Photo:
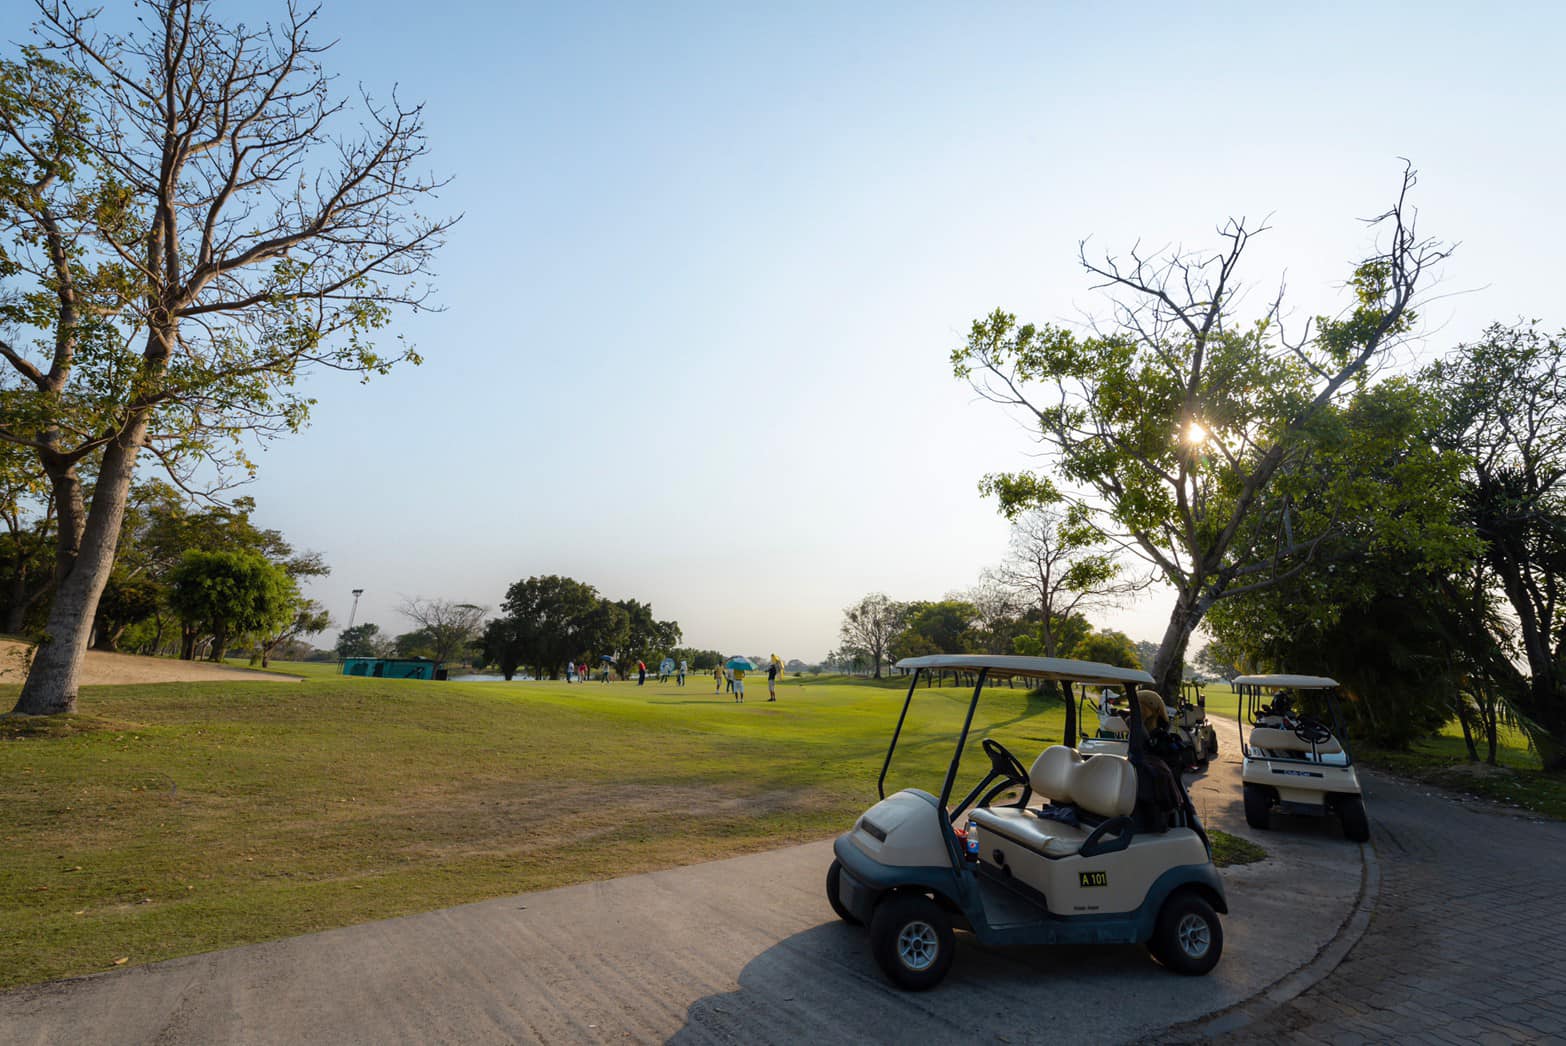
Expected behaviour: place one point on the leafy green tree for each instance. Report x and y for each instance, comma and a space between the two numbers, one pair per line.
229, 594
27, 542
193, 222
1174, 423
363, 640
944, 627
504, 646
868, 627
1506, 398
1108, 648
698, 660
646, 638
555, 620
309, 618
128, 598
415, 644
160, 526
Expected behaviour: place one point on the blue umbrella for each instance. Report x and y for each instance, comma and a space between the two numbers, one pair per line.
741, 663
606, 657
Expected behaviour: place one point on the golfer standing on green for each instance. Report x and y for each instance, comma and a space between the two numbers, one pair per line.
774, 669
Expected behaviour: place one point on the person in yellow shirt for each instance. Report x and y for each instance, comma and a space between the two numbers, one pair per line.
739, 684
717, 678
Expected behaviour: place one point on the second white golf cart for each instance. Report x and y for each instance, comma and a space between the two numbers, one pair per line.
1187, 721
1293, 761
1117, 854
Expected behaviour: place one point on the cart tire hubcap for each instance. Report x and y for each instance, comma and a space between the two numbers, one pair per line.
917, 945
1194, 936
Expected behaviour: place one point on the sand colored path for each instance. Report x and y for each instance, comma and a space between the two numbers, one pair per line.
103, 669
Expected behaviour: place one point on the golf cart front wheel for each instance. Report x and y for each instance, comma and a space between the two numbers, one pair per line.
834, 896
1351, 811
1188, 938
1258, 806
912, 941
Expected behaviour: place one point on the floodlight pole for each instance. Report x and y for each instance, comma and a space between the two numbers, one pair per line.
354, 612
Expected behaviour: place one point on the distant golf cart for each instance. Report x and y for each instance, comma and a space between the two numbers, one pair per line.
1293, 761
1117, 854
1188, 722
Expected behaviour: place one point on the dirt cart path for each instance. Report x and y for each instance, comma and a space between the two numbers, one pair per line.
737, 951
101, 669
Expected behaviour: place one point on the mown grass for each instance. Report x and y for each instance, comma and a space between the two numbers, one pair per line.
1443, 761
178, 818
171, 819
1231, 849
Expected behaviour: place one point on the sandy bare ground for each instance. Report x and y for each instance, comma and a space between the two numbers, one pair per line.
103, 669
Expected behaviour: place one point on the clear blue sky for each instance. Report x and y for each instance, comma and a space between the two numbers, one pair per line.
715, 256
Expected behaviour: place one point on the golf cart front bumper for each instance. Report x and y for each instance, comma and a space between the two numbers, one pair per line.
864, 880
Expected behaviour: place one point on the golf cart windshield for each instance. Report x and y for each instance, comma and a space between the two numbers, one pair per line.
1292, 718
964, 714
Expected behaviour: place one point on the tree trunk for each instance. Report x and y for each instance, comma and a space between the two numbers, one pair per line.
220, 644
1183, 619
1468, 734
52, 680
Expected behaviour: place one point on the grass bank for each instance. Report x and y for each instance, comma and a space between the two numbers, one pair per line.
178, 818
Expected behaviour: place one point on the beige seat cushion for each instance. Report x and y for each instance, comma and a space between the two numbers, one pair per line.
1105, 785
1050, 838
1274, 740
1052, 773
1102, 784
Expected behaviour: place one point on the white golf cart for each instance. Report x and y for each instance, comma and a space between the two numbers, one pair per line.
1191, 722
1115, 855
1293, 761
1188, 722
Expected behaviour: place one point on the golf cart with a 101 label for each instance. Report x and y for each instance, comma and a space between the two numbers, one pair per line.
1116, 854
1294, 761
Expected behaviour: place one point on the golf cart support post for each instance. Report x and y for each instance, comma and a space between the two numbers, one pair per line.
1057, 669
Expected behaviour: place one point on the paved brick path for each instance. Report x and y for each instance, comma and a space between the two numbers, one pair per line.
1465, 943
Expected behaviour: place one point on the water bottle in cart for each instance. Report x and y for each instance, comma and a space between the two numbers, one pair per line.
972, 836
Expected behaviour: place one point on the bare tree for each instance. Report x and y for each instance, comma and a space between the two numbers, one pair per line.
209, 219
1058, 567
1173, 422
451, 627
870, 624
995, 607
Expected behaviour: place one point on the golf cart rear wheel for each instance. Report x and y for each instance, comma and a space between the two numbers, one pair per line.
912, 941
834, 896
1351, 811
1188, 938
1258, 805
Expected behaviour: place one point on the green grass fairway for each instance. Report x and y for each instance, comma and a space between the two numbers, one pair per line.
178, 818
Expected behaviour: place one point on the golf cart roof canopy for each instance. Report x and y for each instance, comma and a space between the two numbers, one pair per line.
1298, 682
1062, 668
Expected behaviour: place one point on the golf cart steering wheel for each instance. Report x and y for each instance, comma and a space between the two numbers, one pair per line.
1003, 763
1312, 731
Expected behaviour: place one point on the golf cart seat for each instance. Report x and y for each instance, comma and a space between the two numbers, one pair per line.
1101, 785
1271, 739
1114, 726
